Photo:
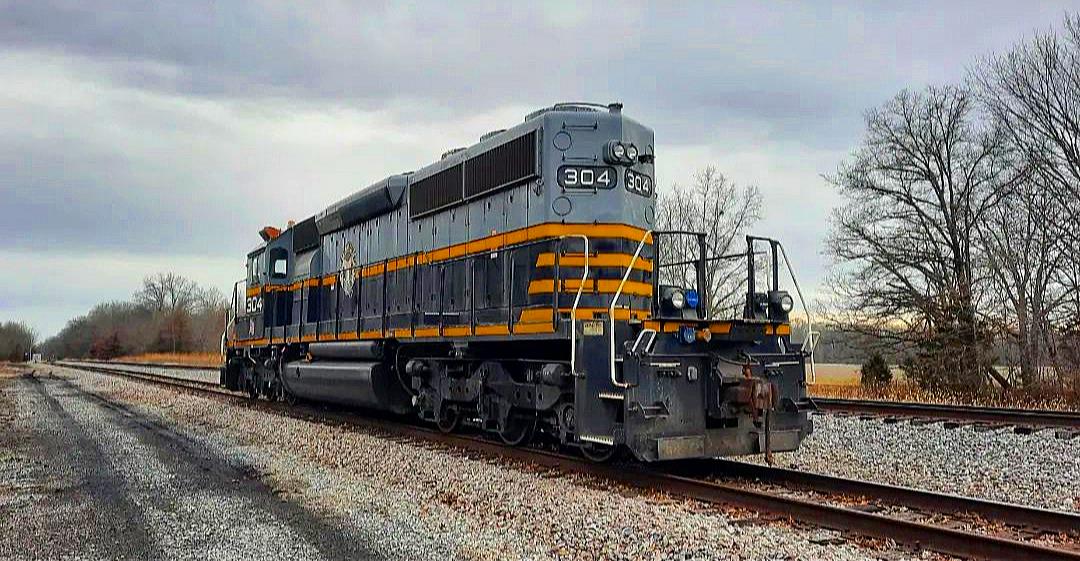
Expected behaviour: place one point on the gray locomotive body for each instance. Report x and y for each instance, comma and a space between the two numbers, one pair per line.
513, 286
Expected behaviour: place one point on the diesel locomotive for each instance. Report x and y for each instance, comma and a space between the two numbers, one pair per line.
517, 287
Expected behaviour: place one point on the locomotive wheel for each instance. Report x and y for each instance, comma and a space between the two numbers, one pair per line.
517, 431
449, 419
598, 453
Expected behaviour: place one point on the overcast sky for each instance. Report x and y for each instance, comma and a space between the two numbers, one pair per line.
139, 137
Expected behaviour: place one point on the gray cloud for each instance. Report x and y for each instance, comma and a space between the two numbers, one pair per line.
168, 133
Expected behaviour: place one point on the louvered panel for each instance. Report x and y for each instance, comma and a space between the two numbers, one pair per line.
433, 193
502, 166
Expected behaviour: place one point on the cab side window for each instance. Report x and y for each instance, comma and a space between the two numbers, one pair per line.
279, 263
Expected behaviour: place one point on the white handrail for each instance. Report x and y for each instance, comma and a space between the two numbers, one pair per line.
577, 299
810, 342
611, 309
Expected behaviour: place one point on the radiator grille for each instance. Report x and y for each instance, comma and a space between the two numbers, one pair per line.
502, 166
438, 191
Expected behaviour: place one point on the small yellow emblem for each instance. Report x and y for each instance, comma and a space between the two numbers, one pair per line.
592, 328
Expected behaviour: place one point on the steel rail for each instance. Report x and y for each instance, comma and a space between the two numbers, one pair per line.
918, 535
946, 503
1032, 417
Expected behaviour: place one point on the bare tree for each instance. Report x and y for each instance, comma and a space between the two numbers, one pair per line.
905, 237
166, 292
207, 299
17, 340
1023, 257
722, 210
1032, 92
172, 298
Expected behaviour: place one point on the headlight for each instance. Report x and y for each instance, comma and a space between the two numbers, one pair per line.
787, 303
618, 150
677, 299
631, 152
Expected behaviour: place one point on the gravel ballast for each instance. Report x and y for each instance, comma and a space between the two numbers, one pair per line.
1033, 469
386, 498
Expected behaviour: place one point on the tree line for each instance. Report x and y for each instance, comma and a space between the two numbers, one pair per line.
16, 341
957, 235
169, 313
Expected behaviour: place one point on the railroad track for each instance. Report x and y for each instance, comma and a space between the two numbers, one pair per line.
699, 480
958, 413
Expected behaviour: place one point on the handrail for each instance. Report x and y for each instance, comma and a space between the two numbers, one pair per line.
810, 341
611, 309
637, 342
577, 299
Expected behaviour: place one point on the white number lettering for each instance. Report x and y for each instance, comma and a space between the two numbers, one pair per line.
588, 176
571, 177
603, 179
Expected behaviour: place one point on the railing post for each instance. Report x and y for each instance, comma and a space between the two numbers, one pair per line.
471, 289
509, 288
611, 309
775, 265
654, 302
272, 314
703, 278
414, 306
385, 275
442, 297
557, 285
749, 311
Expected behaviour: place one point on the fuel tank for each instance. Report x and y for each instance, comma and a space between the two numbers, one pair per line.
368, 385
356, 350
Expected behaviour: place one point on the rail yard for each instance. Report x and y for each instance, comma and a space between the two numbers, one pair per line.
636, 511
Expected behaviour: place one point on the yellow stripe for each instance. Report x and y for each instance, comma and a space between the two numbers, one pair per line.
250, 342
494, 329
500, 241
620, 260
605, 286
717, 327
534, 328
532, 321
721, 327
542, 315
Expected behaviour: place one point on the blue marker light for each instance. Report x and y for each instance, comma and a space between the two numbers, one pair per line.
687, 334
692, 299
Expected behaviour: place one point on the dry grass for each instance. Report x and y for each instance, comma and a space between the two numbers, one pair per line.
902, 391
187, 359
837, 374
